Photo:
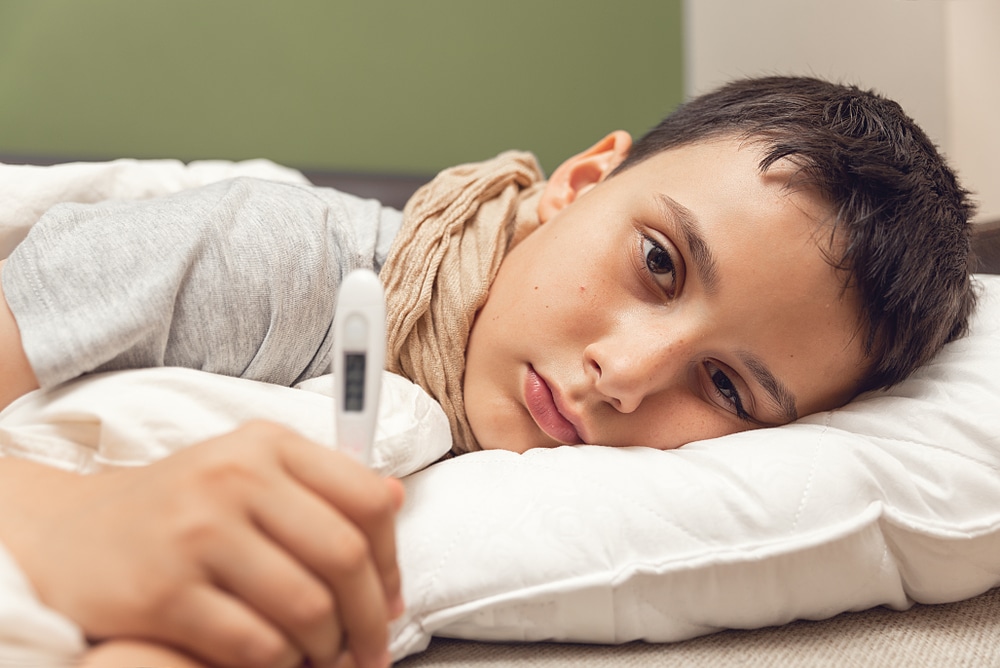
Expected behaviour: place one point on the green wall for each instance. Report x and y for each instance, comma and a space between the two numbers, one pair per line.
377, 85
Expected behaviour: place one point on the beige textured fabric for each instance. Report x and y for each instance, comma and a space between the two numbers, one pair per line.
956, 635
456, 230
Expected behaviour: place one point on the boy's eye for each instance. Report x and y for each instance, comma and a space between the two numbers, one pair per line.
660, 265
726, 390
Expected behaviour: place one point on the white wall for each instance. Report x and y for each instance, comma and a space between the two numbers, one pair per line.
972, 30
940, 59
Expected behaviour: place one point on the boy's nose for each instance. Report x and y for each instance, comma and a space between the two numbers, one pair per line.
630, 365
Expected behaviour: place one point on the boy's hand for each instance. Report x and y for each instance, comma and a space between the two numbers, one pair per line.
256, 548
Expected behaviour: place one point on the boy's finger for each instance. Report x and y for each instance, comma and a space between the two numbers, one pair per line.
390, 568
396, 491
224, 631
365, 619
364, 498
280, 587
338, 552
346, 660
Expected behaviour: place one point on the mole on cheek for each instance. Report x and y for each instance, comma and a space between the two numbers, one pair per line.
673, 344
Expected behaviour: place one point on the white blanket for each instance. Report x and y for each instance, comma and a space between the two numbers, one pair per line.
27, 191
131, 418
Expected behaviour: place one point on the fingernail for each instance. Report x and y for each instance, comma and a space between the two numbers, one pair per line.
397, 607
398, 492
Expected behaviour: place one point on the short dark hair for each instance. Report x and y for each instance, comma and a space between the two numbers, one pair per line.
900, 214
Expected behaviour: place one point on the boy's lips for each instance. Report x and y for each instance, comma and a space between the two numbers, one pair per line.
543, 406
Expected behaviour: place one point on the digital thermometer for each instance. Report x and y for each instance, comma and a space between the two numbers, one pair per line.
358, 360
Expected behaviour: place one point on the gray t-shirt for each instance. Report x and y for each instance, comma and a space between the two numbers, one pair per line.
237, 278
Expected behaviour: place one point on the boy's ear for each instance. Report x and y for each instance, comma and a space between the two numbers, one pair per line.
582, 172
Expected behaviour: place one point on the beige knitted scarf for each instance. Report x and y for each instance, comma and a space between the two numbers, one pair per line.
455, 232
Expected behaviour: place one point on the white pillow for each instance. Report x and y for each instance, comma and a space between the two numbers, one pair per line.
892, 499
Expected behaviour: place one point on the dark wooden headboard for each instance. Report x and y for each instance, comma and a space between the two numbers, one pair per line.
390, 189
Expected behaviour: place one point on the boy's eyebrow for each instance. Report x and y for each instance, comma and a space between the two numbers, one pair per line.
705, 265
701, 253
781, 395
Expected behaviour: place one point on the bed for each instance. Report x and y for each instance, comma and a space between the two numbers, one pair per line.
869, 535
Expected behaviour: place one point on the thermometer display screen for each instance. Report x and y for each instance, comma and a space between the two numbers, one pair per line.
354, 382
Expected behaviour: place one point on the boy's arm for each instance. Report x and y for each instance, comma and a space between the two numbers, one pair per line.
253, 549
15, 372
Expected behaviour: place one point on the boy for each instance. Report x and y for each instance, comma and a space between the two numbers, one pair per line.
768, 251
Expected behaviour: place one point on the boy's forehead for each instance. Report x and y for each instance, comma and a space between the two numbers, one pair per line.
732, 152
723, 176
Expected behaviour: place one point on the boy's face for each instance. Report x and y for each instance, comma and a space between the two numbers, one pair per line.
685, 298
